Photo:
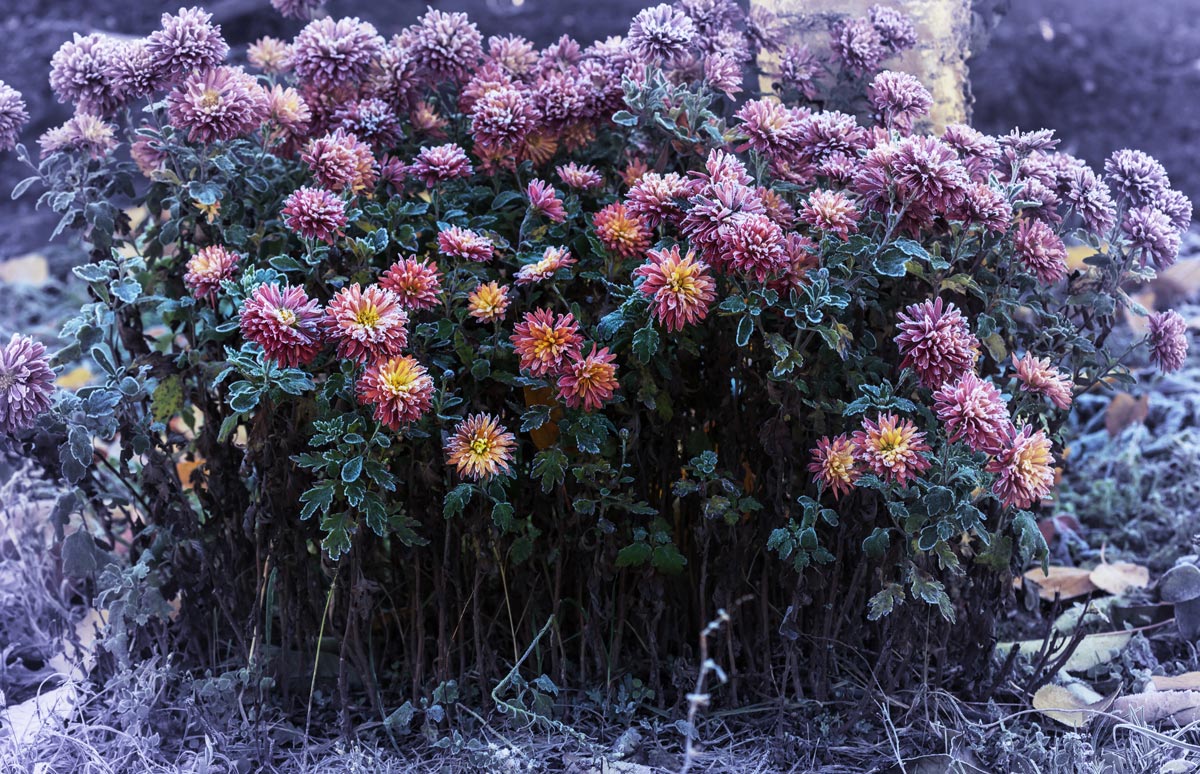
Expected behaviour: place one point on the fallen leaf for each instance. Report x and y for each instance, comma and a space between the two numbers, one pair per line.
1124, 410
1076, 255
184, 468
1098, 611
1119, 577
1072, 705
1181, 707
75, 378
29, 269
1093, 650
1052, 526
1188, 681
1064, 582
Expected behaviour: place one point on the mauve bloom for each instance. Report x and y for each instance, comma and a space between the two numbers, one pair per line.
488, 302
82, 133
367, 324
1036, 375
712, 208
339, 162
553, 259
830, 212
582, 176
13, 116
297, 9
330, 54
501, 119
480, 447
218, 104
620, 231
801, 255
1168, 340
654, 197
1019, 144
285, 322
398, 388
466, 244
315, 213
829, 133
441, 163
1177, 207
270, 55
80, 72
681, 289
858, 46
26, 383
798, 70
753, 245
186, 42
1136, 176
660, 33
892, 449
134, 72
929, 174
445, 45
286, 108
936, 342
770, 127
721, 167
900, 99
371, 120
987, 207
207, 269
1151, 231
1091, 199
543, 200
415, 282
1024, 469
833, 464
974, 412
512, 52
147, 153
543, 342
894, 28
589, 381
723, 73
1041, 250
711, 16
977, 151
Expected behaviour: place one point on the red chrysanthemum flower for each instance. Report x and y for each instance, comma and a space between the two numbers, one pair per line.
466, 244
936, 342
488, 302
589, 381
315, 213
1041, 250
830, 212
974, 412
1168, 340
681, 289
581, 176
1036, 375
399, 389
26, 383
543, 343
415, 282
754, 245
441, 163
620, 231
367, 324
834, 465
480, 448
340, 162
285, 322
543, 199
207, 269
1024, 469
553, 259
218, 104
892, 449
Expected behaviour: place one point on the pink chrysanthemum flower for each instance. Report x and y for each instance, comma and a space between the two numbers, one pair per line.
285, 322
713, 207
366, 323
892, 449
512, 52
218, 104
297, 9
269, 55
286, 108
754, 245
589, 381
974, 412
553, 259
399, 389
134, 72
544, 343
480, 448
371, 120
315, 213
415, 282
654, 197
187, 42
1024, 469
207, 269
1176, 206
544, 200
723, 73
858, 46
1151, 232
798, 70
900, 99
660, 33
581, 176
1136, 175
680, 289
1036, 375
723, 168
441, 163
987, 207
466, 244
1168, 340
936, 342
977, 151
830, 212
1091, 199
330, 55
26, 383
770, 127
13, 116
1041, 250
834, 465
447, 46
501, 120
339, 162
620, 231
929, 174
82, 133
800, 257
488, 302
81, 72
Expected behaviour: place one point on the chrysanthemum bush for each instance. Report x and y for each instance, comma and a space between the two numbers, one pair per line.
420, 342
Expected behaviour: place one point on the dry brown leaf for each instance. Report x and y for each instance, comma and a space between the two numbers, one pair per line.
1124, 410
75, 378
1065, 582
1093, 650
1072, 705
29, 269
1119, 577
1188, 681
1076, 255
1181, 707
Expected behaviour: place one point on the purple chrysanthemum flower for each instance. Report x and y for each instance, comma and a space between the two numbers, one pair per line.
1177, 207
929, 174
830, 212
974, 412
13, 116
900, 99
187, 41
987, 207
1091, 199
440, 163
445, 45
26, 383
297, 9
1020, 144
371, 120
858, 46
315, 213
829, 133
764, 30
544, 199
1041, 250
1136, 176
724, 74
219, 104
722, 167
660, 33
82, 133
134, 71
1024, 469
330, 55
270, 55
367, 324
770, 127
1150, 230
936, 342
512, 52
798, 70
711, 16
80, 72
1168, 340
711, 208
501, 119
894, 28
977, 151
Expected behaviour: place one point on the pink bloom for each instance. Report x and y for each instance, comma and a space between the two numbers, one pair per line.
1024, 469
1151, 231
830, 212
466, 244
936, 342
446, 46
754, 244
399, 389
488, 302
653, 197
834, 465
441, 163
660, 33
544, 343
620, 231
480, 447
218, 104
892, 449
583, 177
680, 289
1041, 250
187, 42
770, 127
900, 99
26, 383
544, 200
1168, 341
973, 411
553, 259
315, 213
285, 322
340, 162
13, 116
589, 381
207, 269
415, 282
332, 54
367, 324
1036, 375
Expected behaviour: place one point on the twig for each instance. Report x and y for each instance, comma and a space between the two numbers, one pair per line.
698, 698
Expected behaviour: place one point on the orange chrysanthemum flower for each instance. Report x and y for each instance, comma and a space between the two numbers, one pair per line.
415, 282
620, 231
366, 323
488, 302
480, 447
399, 388
1024, 469
544, 343
681, 289
834, 465
892, 448
589, 381
553, 259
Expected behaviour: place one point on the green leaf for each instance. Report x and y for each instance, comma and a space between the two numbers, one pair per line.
668, 559
744, 329
645, 344
877, 543
534, 417
502, 516
885, 601
317, 499
939, 501
550, 466
634, 555
352, 469
1031, 543
892, 262
456, 500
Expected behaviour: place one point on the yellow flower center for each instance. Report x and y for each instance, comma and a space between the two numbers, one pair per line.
480, 446
892, 446
286, 316
210, 99
367, 317
398, 378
